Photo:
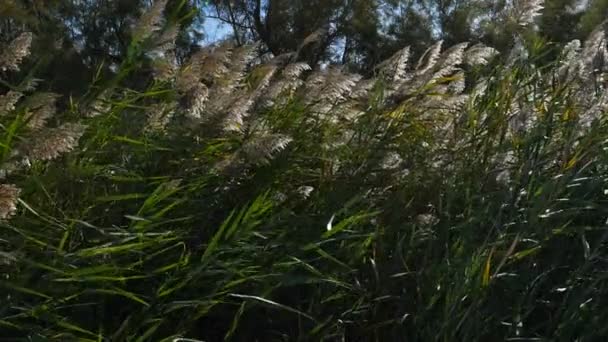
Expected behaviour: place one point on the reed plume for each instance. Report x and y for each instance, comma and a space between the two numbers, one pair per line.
17, 50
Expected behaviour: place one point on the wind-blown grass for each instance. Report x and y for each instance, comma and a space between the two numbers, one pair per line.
417, 207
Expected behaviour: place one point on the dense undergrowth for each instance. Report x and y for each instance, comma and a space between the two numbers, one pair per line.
246, 197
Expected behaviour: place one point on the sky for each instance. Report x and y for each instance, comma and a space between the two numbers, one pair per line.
215, 30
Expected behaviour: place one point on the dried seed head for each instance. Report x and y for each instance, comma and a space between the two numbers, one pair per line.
150, 21
15, 52
305, 191
571, 51
450, 60
363, 87
457, 85
295, 70
240, 109
285, 85
216, 63
429, 58
523, 12
30, 84
41, 107
101, 105
166, 41
187, 79
197, 101
570, 64
8, 101
9, 194
518, 52
427, 220
391, 161
243, 57
479, 54
159, 117
394, 69
595, 51
261, 149
53, 142
326, 88
164, 69
37, 119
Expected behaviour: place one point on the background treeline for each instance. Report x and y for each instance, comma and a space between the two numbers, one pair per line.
76, 37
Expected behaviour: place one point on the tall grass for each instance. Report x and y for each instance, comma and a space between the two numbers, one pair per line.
428, 208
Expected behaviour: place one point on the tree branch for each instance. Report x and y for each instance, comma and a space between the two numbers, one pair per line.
233, 21
263, 29
228, 21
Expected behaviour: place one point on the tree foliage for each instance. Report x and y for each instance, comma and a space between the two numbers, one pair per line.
241, 191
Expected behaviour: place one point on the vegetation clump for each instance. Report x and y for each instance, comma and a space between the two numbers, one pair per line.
241, 195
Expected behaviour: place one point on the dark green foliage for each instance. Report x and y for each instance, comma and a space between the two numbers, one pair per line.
305, 225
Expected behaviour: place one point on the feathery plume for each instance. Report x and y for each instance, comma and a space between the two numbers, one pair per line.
594, 54
350, 110
570, 62
305, 191
391, 161
295, 70
458, 83
243, 57
479, 54
523, 12
8, 101
7, 259
313, 37
571, 51
598, 106
150, 21
260, 150
241, 107
216, 63
101, 105
41, 107
210, 65
518, 52
237, 113
394, 69
279, 197
228, 165
241, 60
166, 41
426, 220
18, 49
164, 68
53, 142
521, 117
326, 88
479, 90
363, 87
429, 58
187, 78
455, 103
505, 162
30, 84
9, 194
449, 61
197, 100
220, 100
159, 116
286, 85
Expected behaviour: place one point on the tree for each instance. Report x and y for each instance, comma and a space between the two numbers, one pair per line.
74, 40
